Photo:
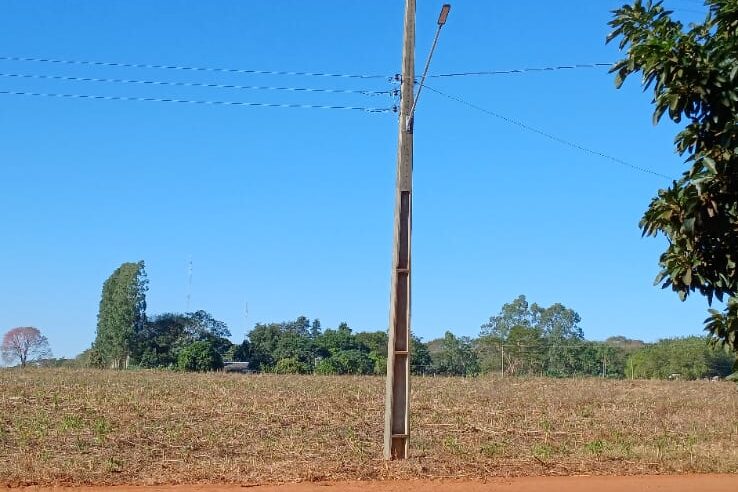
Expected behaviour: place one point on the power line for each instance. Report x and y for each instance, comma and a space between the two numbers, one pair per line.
544, 345
191, 101
524, 70
189, 68
550, 136
296, 73
193, 84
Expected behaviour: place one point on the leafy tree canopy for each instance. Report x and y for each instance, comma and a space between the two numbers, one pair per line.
686, 358
512, 314
421, 361
200, 356
536, 339
122, 314
456, 356
165, 335
693, 71
291, 365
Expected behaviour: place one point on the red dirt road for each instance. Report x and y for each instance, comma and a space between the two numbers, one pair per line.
651, 483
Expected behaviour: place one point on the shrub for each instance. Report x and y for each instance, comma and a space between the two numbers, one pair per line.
290, 365
326, 367
199, 357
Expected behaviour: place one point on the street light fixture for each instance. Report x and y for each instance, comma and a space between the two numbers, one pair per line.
444, 13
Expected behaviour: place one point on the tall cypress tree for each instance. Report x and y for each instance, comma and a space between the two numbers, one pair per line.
122, 314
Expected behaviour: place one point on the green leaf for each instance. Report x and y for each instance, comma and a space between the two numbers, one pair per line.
691, 72
660, 110
709, 164
659, 277
619, 79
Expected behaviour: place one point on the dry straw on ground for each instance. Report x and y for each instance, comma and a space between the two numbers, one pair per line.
104, 427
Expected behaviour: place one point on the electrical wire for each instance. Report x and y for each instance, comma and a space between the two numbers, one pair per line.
192, 84
189, 68
523, 70
191, 101
550, 136
544, 345
281, 72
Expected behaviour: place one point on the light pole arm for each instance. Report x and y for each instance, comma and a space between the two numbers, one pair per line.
441, 21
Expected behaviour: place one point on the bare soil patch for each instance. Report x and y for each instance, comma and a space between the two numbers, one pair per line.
73, 427
653, 483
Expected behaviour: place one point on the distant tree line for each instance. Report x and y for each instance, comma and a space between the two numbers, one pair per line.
523, 339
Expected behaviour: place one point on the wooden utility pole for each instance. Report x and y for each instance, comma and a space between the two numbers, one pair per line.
397, 402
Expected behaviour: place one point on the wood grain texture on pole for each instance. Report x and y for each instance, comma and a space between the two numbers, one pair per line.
397, 400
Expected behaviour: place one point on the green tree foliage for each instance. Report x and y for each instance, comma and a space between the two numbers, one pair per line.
315, 329
302, 346
122, 314
298, 339
525, 351
269, 343
421, 361
161, 340
563, 337
345, 353
352, 361
239, 352
494, 334
293, 345
340, 339
375, 342
628, 345
301, 326
694, 75
379, 363
91, 358
723, 326
263, 339
537, 341
159, 344
612, 357
326, 367
513, 314
533, 340
455, 357
689, 358
291, 365
199, 356
201, 326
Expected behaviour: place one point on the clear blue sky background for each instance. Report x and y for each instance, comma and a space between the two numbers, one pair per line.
290, 210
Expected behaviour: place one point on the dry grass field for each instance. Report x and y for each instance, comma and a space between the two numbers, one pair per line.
67, 427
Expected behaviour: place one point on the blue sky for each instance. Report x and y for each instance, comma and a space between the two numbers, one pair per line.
290, 210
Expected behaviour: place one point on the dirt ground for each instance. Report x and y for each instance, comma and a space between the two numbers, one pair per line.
650, 483
104, 428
